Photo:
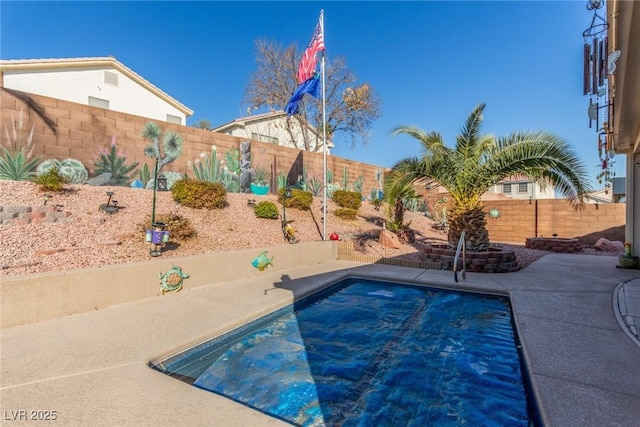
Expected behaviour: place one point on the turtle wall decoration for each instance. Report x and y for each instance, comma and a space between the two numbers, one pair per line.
172, 280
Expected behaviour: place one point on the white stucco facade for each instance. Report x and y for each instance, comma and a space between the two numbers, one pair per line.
270, 128
523, 189
101, 82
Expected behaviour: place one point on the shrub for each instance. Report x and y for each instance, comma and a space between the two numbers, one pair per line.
179, 227
347, 199
51, 180
346, 213
266, 209
299, 199
199, 194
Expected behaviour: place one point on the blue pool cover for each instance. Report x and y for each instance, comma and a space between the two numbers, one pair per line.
370, 353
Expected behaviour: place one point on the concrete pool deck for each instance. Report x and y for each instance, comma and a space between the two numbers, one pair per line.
575, 315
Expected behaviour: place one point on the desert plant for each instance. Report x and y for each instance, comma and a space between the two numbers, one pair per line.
299, 199
16, 159
73, 169
199, 194
358, 183
345, 178
329, 176
347, 199
346, 213
208, 168
51, 180
233, 161
179, 227
260, 175
282, 181
266, 209
315, 186
144, 174
113, 161
171, 145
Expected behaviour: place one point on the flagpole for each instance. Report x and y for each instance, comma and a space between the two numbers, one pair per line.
324, 141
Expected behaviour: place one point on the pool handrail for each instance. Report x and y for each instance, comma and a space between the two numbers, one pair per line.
462, 247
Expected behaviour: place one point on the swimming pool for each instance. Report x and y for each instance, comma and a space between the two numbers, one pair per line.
366, 352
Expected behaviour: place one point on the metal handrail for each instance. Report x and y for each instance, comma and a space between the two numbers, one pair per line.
462, 247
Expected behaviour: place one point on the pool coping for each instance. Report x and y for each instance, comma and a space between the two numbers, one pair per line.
92, 367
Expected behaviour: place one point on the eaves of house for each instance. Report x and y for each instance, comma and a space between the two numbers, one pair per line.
21, 65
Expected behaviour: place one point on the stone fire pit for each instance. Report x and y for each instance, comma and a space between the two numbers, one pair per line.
494, 260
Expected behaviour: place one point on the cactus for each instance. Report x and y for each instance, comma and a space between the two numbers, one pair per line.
233, 161
72, 169
345, 179
357, 184
282, 180
329, 176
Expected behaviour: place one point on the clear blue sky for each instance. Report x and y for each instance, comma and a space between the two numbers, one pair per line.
430, 62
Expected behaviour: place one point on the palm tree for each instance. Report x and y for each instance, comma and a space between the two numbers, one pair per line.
480, 161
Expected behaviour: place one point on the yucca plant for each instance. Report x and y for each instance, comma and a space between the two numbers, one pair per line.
16, 160
171, 145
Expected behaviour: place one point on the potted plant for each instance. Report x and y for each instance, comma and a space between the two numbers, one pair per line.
260, 183
627, 260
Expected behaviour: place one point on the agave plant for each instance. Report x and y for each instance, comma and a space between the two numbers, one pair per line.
16, 160
479, 161
113, 161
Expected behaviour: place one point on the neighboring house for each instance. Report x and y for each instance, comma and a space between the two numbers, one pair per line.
272, 128
520, 187
100, 82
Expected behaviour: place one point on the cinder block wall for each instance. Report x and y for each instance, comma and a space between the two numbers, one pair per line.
65, 129
520, 219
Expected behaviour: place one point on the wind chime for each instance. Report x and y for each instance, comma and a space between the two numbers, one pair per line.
598, 64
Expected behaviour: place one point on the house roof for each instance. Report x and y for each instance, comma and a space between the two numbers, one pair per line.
247, 120
244, 121
601, 196
90, 62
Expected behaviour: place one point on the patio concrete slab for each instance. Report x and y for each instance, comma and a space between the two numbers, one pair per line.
93, 368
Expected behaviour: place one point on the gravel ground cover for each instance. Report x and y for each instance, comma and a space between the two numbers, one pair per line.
94, 238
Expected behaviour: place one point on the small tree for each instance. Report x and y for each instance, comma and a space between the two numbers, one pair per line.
171, 145
351, 109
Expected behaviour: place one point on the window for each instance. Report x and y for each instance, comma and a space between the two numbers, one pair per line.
506, 188
523, 187
174, 119
264, 138
111, 78
98, 102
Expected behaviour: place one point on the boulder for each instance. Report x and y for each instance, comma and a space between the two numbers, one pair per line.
607, 245
102, 179
389, 239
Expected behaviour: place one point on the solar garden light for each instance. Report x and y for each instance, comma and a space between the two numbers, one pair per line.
111, 206
47, 197
157, 236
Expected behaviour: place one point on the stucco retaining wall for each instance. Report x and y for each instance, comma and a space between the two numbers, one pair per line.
39, 297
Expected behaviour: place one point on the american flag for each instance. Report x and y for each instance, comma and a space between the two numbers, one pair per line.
308, 61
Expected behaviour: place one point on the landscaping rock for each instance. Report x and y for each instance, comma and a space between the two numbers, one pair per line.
389, 239
102, 179
607, 245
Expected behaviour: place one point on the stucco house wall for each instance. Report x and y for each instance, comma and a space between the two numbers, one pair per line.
104, 79
270, 128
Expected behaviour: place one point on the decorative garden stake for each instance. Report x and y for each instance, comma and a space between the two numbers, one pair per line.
157, 236
172, 280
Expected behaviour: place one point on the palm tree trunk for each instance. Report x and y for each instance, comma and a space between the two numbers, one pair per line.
475, 223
